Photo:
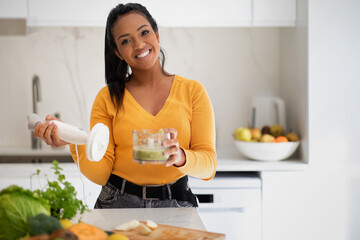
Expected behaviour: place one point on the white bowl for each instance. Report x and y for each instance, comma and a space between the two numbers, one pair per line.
266, 151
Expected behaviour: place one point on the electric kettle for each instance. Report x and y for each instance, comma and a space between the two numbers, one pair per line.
268, 111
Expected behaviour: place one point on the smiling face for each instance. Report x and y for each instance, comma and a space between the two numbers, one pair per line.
137, 43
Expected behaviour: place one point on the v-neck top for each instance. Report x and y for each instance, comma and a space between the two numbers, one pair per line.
128, 95
188, 109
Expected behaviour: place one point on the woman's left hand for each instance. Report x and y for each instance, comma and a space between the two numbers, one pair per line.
176, 155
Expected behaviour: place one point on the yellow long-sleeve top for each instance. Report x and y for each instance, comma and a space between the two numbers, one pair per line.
188, 109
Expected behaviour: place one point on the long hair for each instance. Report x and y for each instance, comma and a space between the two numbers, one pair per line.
116, 70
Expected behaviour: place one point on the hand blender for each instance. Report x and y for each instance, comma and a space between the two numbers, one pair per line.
96, 142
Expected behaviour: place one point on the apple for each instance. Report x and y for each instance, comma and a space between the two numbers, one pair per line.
293, 137
242, 134
255, 134
267, 138
276, 130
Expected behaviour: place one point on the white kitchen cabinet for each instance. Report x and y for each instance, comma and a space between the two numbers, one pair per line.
201, 13
13, 178
23, 176
187, 13
86, 190
68, 12
168, 13
234, 198
280, 196
14, 174
274, 12
13, 9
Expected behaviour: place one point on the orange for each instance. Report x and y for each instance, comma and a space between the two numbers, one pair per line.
280, 139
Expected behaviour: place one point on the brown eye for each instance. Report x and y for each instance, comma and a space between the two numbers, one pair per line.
145, 32
126, 41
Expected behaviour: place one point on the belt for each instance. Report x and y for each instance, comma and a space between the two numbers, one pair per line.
151, 192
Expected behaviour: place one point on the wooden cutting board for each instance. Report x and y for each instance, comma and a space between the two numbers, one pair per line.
166, 232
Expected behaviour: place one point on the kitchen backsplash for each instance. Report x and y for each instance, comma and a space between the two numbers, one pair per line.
234, 64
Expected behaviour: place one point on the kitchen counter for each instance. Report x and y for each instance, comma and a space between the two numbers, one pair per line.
108, 219
229, 160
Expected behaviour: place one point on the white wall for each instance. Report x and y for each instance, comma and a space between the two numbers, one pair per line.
294, 76
233, 63
68, 62
334, 83
322, 202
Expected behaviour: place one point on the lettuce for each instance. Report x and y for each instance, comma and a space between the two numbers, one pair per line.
16, 205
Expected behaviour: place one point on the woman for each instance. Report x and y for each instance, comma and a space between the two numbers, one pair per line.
140, 94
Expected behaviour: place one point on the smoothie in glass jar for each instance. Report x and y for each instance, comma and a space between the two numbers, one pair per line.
148, 146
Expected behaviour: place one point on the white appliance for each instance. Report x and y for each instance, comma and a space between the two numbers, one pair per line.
96, 142
230, 203
268, 111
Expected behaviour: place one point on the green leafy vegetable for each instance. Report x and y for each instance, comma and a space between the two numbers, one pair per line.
16, 205
61, 195
43, 224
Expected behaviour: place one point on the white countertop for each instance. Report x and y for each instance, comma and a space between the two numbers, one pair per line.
228, 160
108, 219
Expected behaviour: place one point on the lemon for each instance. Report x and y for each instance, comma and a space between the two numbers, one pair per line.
117, 236
65, 223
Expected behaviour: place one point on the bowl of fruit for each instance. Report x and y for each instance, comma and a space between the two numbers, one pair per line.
267, 144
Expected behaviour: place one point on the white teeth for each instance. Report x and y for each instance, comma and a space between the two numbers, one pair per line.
143, 54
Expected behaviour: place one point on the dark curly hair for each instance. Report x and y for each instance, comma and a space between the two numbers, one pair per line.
116, 70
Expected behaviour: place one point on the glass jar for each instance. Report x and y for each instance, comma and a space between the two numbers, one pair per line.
148, 146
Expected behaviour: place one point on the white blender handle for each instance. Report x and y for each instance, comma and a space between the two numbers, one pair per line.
280, 108
96, 142
71, 134
33, 120
67, 132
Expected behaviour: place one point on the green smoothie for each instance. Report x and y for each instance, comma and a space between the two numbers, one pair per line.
149, 154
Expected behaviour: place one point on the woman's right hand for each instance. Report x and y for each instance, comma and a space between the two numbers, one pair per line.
48, 132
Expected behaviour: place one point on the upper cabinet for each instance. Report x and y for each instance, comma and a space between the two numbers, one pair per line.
69, 13
274, 12
201, 13
13, 14
13, 9
168, 13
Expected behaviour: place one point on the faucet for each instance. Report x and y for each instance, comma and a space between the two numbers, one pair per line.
35, 142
